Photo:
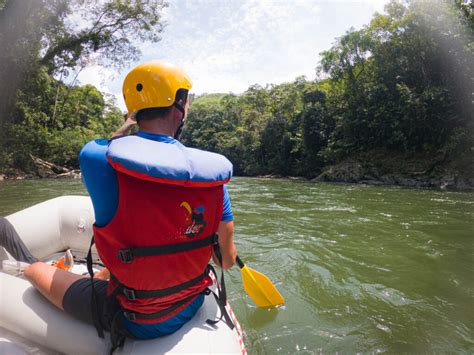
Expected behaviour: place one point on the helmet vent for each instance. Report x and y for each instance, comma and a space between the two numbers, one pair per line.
139, 87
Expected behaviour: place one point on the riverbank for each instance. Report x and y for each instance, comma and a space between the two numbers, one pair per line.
401, 170
42, 169
344, 173
397, 170
373, 169
15, 174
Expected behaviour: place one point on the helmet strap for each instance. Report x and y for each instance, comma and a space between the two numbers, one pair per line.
180, 108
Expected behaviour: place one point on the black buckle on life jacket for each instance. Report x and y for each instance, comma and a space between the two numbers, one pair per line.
125, 255
215, 239
129, 293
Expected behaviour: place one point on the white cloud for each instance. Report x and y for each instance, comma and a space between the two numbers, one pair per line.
239, 43
226, 46
101, 77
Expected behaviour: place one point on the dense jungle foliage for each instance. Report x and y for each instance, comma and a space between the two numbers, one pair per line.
402, 85
48, 42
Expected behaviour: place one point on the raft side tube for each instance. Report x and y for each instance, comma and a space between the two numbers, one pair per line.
55, 225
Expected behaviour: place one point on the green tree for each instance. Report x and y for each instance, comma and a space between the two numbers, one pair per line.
276, 146
316, 128
45, 41
36, 33
400, 85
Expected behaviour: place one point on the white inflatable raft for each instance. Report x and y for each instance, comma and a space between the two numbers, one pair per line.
29, 324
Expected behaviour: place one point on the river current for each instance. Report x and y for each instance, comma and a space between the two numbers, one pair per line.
362, 268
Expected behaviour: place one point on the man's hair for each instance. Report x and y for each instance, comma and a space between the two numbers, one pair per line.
151, 113
159, 112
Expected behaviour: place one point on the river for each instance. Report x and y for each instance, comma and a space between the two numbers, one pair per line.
363, 268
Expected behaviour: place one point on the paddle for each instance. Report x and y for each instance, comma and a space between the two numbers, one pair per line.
259, 287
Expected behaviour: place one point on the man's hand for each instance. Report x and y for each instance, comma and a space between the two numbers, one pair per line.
130, 120
103, 274
126, 127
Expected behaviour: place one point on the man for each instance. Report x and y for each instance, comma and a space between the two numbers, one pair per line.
157, 206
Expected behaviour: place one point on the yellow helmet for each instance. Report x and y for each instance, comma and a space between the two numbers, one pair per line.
153, 84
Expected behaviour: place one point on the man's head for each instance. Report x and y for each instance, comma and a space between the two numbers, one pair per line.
156, 93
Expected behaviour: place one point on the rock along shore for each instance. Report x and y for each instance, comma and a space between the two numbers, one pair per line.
398, 171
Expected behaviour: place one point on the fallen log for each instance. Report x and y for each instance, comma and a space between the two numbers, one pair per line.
75, 174
47, 169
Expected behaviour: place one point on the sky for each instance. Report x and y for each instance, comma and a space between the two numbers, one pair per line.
228, 45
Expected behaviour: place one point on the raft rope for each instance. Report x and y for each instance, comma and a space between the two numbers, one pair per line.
238, 327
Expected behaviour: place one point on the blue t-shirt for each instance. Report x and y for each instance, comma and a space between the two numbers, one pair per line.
100, 179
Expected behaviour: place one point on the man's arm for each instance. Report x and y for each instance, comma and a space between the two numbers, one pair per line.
226, 234
226, 243
126, 127
100, 180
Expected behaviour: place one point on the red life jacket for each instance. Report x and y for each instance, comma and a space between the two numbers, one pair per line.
158, 245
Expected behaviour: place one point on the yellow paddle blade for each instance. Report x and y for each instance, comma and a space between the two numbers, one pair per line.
260, 289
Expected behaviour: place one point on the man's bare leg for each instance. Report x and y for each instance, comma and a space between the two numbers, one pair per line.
51, 281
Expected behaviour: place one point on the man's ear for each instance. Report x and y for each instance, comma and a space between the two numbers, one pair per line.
181, 102
176, 114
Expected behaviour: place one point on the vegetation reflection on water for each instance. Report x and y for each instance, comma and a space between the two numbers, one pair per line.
363, 269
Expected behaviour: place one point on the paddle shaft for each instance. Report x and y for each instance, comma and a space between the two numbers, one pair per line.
239, 262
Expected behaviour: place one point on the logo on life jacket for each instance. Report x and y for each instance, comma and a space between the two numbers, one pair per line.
196, 220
